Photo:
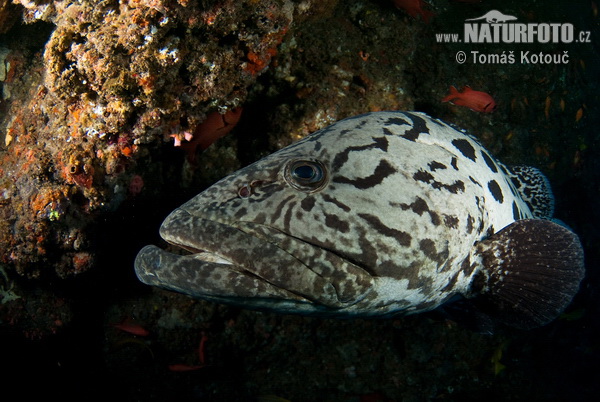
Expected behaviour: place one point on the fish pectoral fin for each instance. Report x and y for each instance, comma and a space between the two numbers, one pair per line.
530, 272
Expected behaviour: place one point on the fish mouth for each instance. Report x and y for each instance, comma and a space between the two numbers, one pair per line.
233, 265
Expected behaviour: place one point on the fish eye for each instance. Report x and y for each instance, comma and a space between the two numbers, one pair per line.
305, 175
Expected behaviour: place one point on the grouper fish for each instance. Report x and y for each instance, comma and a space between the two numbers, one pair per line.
379, 214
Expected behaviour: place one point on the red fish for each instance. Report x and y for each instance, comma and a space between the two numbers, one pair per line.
181, 368
414, 8
475, 100
135, 329
214, 127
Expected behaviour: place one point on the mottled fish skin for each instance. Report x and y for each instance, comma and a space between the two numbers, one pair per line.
377, 214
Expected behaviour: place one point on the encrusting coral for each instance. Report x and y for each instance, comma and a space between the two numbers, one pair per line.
115, 78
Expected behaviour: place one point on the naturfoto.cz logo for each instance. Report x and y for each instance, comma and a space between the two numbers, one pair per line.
496, 27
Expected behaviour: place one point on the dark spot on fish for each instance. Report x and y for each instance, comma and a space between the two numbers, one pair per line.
488, 161
367, 259
457, 186
335, 202
466, 267
451, 221
342, 157
395, 121
465, 148
383, 170
427, 177
415, 281
474, 181
470, 222
435, 218
401, 237
447, 265
277, 212
234, 203
516, 182
418, 206
287, 218
423, 176
428, 248
516, 212
480, 228
334, 222
453, 163
419, 127
241, 212
362, 117
261, 218
434, 165
307, 203
389, 269
381, 143
496, 191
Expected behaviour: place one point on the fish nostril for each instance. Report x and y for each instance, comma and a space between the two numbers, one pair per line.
245, 191
248, 189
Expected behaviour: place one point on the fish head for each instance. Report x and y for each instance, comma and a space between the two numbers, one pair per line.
279, 234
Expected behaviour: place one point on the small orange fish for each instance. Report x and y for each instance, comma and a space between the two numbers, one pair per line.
414, 8
475, 100
135, 329
548, 103
202, 348
182, 368
214, 127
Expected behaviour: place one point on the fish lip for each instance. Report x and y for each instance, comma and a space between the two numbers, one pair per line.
200, 278
252, 267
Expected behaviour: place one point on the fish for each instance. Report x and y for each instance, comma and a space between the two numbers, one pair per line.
215, 126
477, 101
377, 215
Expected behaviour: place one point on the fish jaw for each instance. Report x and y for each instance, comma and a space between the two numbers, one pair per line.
231, 266
184, 273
